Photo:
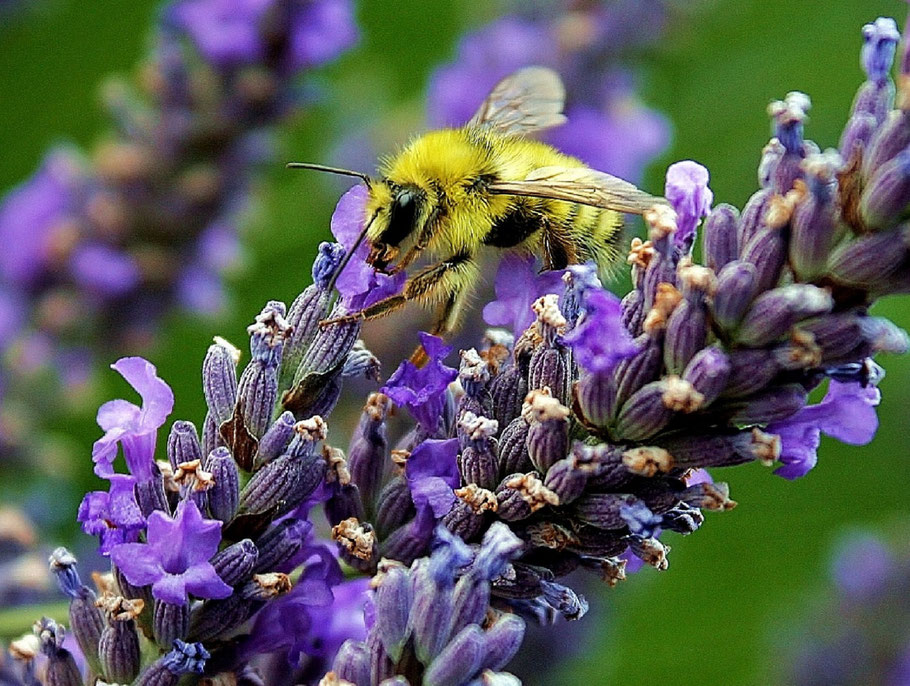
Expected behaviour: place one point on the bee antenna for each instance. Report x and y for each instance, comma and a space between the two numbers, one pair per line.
330, 170
350, 253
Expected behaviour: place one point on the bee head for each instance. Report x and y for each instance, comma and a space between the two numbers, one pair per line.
400, 211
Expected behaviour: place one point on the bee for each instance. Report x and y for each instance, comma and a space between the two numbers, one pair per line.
455, 193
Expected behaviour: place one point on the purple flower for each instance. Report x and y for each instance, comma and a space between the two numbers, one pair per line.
862, 565
320, 31
517, 286
484, 57
423, 390
102, 269
175, 558
114, 516
688, 192
135, 428
847, 413
30, 214
600, 340
619, 137
226, 32
359, 284
432, 474
307, 621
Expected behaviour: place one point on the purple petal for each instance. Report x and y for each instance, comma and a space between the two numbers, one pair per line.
202, 581
157, 396
517, 286
601, 340
688, 192
139, 565
102, 269
226, 32
347, 223
170, 588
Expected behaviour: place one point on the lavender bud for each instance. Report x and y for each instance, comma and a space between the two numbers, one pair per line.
394, 507
752, 221
884, 336
549, 369
857, 135
507, 391
709, 496
431, 614
279, 544
720, 236
356, 543
474, 375
352, 663
603, 510
767, 252
369, 448
224, 496
876, 95
886, 197
567, 479
520, 495
61, 669
513, 447
789, 115
393, 602
870, 261
891, 138
406, 543
595, 399
834, 334
736, 287
633, 312
170, 622
211, 435
459, 660
219, 380
275, 440
466, 518
634, 372
216, 618
504, 637
708, 372
722, 450
767, 406
686, 334
288, 480
185, 658
304, 315
118, 647
344, 503
548, 435
150, 493
773, 313
652, 407
651, 551
183, 444
564, 600
750, 371
86, 620
330, 346
235, 564
814, 225
478, 461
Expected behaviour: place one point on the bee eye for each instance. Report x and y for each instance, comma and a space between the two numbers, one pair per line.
402, 217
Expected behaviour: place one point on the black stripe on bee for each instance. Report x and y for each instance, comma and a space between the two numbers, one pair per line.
513, 228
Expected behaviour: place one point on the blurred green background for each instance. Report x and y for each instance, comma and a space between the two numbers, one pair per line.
719, 614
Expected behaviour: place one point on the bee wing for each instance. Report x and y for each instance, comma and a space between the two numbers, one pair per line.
528, 100
583, 186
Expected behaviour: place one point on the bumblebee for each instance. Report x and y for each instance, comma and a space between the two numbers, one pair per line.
454, 193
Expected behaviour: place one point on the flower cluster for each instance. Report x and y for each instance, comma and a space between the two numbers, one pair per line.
576, 441
98, 247
608, 127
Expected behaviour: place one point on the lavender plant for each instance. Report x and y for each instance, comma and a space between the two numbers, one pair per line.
99, 246
571, 442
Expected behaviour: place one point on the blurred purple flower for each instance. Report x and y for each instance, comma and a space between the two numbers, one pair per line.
423, 390
226, 32
847, 413
687, 190
322, 30
600, 340
133, 427
518, 285
862, 565
103, 269
484, 57
30, 213
175, 558
620, 137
